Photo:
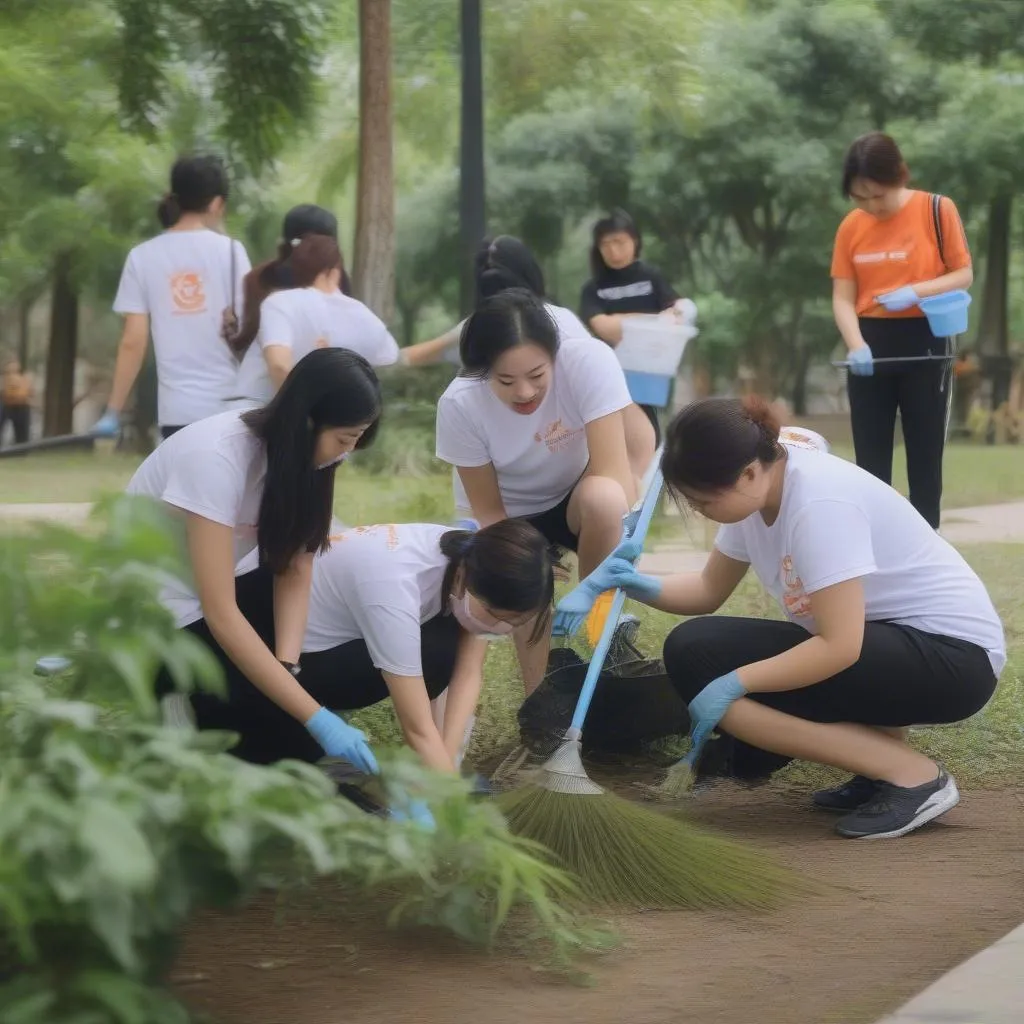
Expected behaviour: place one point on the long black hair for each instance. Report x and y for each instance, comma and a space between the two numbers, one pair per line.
616, 221
506, 262
506, 565
195, 182
515, 316
329, 387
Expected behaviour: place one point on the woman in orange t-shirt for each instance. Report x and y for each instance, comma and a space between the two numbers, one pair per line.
888, 256
15, 401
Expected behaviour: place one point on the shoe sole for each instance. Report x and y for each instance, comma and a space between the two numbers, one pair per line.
950, 797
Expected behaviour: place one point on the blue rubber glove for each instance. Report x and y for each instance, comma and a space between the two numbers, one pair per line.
415, 811
861, 362
622, 574
339, 739
708, 708
899, 300
108, 425
573, 609
467, 524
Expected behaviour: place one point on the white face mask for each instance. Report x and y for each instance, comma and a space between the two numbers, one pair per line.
471, 624
333, 462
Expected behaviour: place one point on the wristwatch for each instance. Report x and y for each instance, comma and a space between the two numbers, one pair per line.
292, 667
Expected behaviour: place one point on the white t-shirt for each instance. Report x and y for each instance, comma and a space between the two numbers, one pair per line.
181, 279
378, 584
216, 469
303, 318
838, 522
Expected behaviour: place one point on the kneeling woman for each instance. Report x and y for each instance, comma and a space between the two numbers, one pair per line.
534, 426
399, 610
264, 480
888, 626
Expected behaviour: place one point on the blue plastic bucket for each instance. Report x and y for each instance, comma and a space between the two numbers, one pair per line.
947, 313
649, 388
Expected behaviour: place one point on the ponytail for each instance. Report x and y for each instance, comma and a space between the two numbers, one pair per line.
168, 210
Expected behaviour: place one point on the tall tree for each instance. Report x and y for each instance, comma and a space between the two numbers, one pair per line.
374, 258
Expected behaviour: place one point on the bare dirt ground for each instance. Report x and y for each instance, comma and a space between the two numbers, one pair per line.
902, 913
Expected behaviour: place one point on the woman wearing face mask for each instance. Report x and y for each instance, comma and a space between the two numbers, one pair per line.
264, 480
622, 285
899, 246
311, 313
401, 611
887, 626
182, 286
534, 427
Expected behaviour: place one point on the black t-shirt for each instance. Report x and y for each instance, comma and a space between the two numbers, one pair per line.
638, 288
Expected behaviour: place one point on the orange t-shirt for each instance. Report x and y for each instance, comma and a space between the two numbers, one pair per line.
883, 255
15, 389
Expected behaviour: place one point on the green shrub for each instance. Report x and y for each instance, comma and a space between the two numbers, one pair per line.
115, 829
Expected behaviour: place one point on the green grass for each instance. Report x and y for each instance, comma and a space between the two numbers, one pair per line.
974, 475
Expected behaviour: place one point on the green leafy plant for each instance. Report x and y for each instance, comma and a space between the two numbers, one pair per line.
116, 829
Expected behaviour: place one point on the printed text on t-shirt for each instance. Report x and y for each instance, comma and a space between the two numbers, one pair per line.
794, 598
556, 437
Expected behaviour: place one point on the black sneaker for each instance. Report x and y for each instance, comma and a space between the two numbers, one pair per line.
897, 810
847, 797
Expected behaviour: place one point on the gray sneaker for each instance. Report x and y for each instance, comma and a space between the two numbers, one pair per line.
896, 810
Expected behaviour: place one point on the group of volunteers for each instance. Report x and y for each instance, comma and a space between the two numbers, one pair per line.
886, 626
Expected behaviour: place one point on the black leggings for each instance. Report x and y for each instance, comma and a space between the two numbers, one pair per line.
919, 391
903, 677
342, 678
19, 417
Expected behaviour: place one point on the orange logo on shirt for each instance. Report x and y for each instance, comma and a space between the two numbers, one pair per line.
392, 534
555, 436
794, 598
187, 292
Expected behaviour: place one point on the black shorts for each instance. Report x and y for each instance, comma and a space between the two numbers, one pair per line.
903, 677
554, 526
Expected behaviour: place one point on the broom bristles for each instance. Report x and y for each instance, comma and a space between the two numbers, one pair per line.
627, 855
677, 783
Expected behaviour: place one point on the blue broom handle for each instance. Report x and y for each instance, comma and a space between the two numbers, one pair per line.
650, 505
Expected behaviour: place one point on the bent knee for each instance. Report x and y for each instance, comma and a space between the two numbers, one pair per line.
600, 496
693, 654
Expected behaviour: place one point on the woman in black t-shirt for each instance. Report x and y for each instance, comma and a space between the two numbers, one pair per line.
622, 284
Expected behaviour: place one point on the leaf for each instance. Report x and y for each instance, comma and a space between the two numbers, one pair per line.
120, 850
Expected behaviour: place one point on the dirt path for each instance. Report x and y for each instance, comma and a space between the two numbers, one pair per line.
909, 910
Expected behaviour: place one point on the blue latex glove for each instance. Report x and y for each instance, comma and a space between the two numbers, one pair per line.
467, 524
861, 362
108, 425
614, 572
339, 739
415, 811
708, 708
899, 300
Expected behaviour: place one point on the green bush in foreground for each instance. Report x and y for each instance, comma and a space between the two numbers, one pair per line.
115, 830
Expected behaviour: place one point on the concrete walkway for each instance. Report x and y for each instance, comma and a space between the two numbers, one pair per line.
987, 989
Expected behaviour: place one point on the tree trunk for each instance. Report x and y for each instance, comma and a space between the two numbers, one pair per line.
798, 395
25, 304
993, 333
472, 207
63, 350
373, 274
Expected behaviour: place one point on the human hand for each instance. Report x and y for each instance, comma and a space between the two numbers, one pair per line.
708, 708
900, 299
861, 362
108, 425
339, 739
415, 811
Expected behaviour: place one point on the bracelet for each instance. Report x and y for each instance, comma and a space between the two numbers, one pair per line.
293, 668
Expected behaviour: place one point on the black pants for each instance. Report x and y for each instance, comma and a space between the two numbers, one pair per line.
18, 416
903, 677
343, 678
921, 393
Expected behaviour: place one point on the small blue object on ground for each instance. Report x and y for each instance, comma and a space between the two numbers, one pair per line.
947, 313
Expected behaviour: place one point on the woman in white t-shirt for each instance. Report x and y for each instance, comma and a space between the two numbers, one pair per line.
886, 624
534, 427
264, 480
401, 611
313, 313
183, 286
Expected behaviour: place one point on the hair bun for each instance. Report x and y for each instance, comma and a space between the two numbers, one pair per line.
760, 412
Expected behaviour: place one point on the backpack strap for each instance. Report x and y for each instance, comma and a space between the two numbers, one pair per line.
937, 221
